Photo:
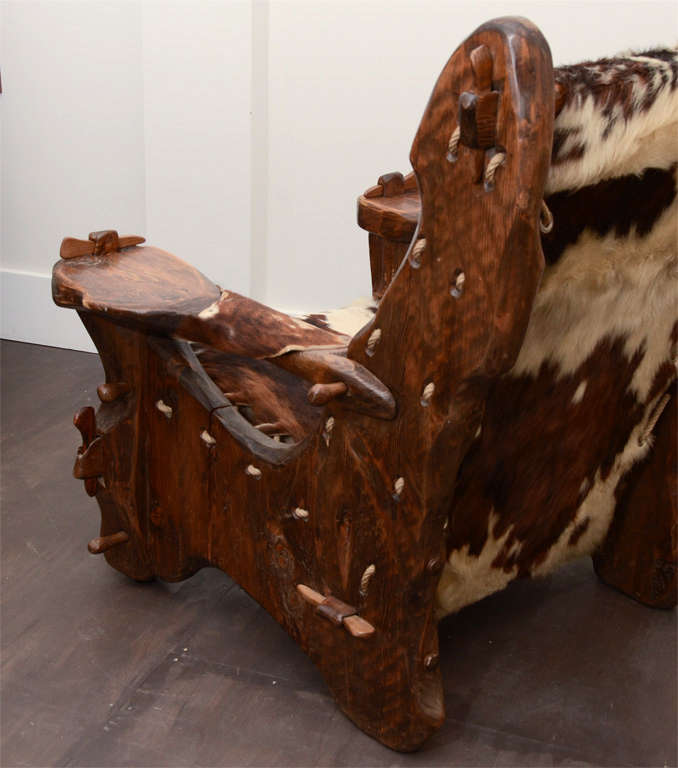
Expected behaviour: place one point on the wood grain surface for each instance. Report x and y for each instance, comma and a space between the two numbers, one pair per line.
193, 483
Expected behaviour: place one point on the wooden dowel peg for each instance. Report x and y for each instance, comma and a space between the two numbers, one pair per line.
338, 612
90, 461
71, 248
112, 391
85, 422
103, 543
358, 627
310, 595
107, 241
320, 394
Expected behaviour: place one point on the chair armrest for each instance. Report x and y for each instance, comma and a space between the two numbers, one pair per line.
154, 291
389, 211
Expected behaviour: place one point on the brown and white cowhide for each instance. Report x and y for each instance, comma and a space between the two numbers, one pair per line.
599, 358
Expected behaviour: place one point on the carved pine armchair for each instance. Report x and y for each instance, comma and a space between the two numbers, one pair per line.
506, 402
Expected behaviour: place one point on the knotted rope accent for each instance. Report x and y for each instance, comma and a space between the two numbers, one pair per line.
373, 340
417, 250
365, 579
207, 438
453, 144
491, 169
427, 394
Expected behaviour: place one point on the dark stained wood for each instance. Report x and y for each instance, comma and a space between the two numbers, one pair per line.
113, 391
89, 462
458, 345
154, 291
261, 392
368, 488
364, 391
105, 241
71, 247
85, 422
393, 225
392, 184
396, 218
321, 394
478, 110
389, 211
640, 553
138, 284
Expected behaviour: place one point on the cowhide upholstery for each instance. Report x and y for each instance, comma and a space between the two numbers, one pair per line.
599, 358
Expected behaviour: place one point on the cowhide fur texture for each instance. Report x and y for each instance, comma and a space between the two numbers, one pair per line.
599, 358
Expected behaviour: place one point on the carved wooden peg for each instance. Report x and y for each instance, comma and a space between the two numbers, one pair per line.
478, 110
112, 391
392, 183
310, 595
89, 463
85, 421
106, 241
321, 394
336, 611
358, 627
468, 103
478, 119
71, 248
102, 544
481, 63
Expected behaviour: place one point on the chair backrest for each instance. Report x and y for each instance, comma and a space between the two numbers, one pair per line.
456, 311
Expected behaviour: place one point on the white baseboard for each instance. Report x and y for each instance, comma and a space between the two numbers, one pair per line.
28, 313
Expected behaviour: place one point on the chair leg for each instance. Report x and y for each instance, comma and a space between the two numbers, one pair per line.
389, 685
640, 553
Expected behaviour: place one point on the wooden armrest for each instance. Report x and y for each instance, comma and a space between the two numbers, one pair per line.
154, 291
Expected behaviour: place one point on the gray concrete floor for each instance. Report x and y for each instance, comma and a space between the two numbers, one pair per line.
100, 671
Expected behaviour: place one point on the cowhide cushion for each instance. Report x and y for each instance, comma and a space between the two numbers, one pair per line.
599, 357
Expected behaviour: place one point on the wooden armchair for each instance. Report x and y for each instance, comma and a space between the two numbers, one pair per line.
322, 471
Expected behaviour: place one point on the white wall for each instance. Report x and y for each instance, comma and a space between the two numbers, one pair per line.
235, 134
122, 115
72, 151
196, 74
348, 83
